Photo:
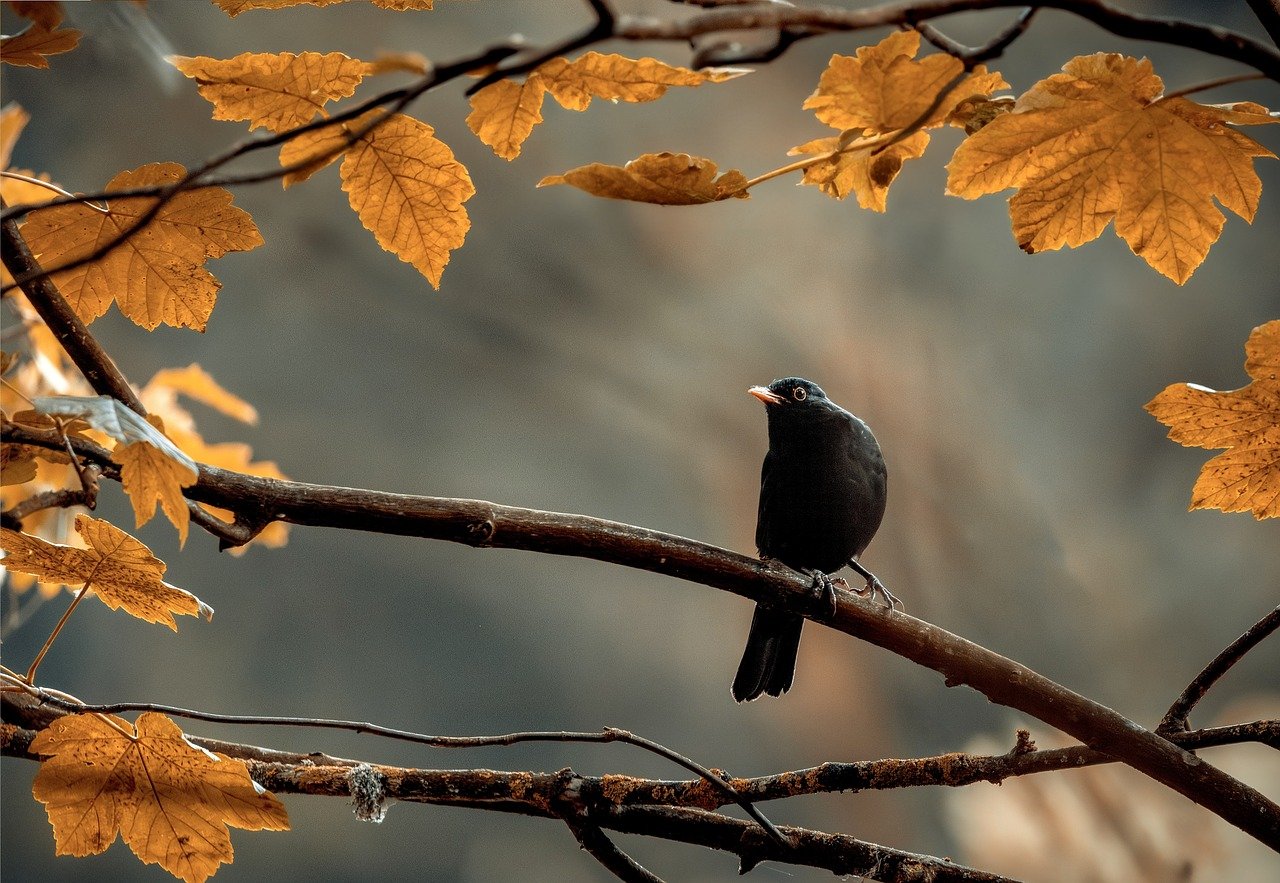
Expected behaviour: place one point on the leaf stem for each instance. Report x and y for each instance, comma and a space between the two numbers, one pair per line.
31, 672
815, 160
48, 185
1213, 84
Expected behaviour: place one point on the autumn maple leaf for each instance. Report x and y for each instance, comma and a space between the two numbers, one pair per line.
873, 97
170, 800
32, 47
1245, 421
122, 571
1097, 143
158, 274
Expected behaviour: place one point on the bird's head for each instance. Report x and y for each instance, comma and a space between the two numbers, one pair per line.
790, 393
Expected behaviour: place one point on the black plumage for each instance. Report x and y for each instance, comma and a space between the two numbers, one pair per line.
823, 491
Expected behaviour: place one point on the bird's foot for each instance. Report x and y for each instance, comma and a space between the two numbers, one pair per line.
875, 587
824, 594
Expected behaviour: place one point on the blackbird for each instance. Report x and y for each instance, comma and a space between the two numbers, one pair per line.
822, 495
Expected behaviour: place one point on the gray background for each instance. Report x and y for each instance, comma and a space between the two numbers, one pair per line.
591, 356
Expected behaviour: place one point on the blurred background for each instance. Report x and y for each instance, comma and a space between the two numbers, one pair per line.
592, 356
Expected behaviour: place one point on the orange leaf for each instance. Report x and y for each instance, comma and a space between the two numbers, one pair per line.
29, 48
148, 477
17, 464
46, 13
157, 276
13, 119
123, 572
874, 97
618, 78
858, 171
659, 178
883, 88
408, 190
235, 7
171, 801
1246, 421
281, 91
504, 113
1097, 143
197, 383
324, 145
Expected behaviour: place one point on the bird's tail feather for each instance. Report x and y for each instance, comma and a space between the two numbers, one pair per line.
769, 662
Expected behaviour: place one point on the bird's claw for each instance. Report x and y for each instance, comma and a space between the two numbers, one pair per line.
875, 587
824, 594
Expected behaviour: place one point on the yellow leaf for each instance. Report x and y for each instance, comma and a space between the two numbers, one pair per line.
158, 275
659, 178
123, 572
504, 113
148, 477
235, 7
12, 121
858, 171
405, 62
323, 145
883, 88
171, 801
618, 78
17, 464
281, 91
197, 383
46, 13
408, 190
974, 112
237, 457
29, 48
1246, 421
1096, 143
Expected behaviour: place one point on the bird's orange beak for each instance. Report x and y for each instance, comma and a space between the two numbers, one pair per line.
764, 395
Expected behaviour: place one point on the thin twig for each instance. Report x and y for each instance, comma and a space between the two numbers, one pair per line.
607, 853
49, 185
1213, 84
53, 499
1175, 719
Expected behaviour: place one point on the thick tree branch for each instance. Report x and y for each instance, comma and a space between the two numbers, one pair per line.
1176, 718
1268, 12
74, 336
490, 525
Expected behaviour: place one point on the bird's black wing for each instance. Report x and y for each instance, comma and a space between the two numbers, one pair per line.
762, 513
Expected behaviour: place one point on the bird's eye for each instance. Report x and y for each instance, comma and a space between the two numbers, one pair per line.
799, 394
